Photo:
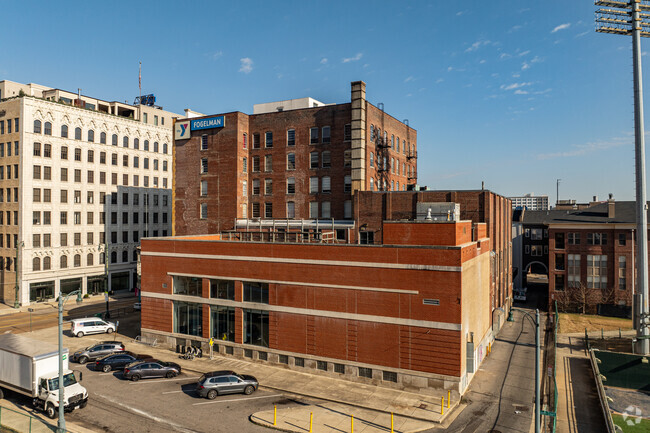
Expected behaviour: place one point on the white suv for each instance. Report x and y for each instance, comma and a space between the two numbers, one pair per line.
91, 325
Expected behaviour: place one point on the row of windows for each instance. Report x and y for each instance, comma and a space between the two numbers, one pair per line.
596, 272
387, 186
90, 137
46, 263
45, 239
90, 197
15, 147
406, 148
400, 168
16, 126
46, 174
45, 218
317, 135
9, 172
47, 153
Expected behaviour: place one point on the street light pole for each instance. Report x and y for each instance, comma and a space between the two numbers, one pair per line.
16, 268
535, 323
61, 387
108, 314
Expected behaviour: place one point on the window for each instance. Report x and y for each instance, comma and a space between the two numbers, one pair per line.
536, 234
89, 259
188, 318
77, 175
268, 139
256, 327
244, 188
37, 126
63, 262
47, 150
559, 262
291, 137
77, 239
622, 237
36, 263
256, 186
313, 160
256, 164
597, 271
389, 376
325, 209
372, 159
204, 165
365, 372
536, 250
326, 159
37, 172
90, 176
204, 142
222, 323
37, 149
326, 135
114, 159
136, 143
325, 185
91, 136
125, 160
347, 158
291, 209
64, 196
64, 131
245, 141
347, 184
204, 188
596, 238
256, 141
164, 146
256, 210
313, 135
347, 132
291, 185
268, 186
146, 145
268, 163
102, 138
622, 266
114, 140
559, 241
347, 209
313, 185
47, 195
313, 210
37, 195
36, 218
256, 292
268, 210
291, 161
91, 155
125, 141
559, 282
165, 165
573, 238
102, 157
204, 211
136, 162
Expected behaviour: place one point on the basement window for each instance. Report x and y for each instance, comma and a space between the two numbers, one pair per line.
427, 301
390, 376
365, 372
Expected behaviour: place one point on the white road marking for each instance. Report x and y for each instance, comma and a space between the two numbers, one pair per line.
171, 392
238, 399
143, 381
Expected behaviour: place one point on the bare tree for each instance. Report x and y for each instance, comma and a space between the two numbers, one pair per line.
583, 299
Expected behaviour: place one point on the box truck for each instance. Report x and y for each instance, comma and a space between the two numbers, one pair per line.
31, 368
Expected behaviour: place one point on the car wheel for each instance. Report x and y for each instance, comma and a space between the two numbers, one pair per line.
109, 330
83, 360
135, 377
249, 390
50, 411
80, 334
106, 368
212, 394
170, 374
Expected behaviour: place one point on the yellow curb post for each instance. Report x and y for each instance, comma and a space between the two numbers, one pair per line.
391, 422
442, 405
311, 420
275, 415
448, 398
351, 424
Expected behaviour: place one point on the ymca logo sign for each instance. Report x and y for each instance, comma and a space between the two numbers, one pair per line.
182, 130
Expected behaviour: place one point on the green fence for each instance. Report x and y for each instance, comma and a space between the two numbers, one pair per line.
15, 421
624, 370
549, 370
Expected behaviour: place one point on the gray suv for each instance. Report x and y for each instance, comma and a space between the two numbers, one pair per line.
215, 383
96, 351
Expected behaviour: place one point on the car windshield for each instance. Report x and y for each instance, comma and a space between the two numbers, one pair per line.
68, 380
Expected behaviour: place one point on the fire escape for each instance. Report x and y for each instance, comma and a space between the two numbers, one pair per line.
383, 159
411, 156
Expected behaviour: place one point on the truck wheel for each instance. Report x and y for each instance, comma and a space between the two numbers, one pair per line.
212, 394
83, 360
106, 368
50, 411
80, 334
110, 330
249, 390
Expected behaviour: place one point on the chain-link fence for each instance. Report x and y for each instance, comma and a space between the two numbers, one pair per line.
549, 367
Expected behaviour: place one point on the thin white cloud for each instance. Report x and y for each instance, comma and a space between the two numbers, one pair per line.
439, 80
514, 86
323, 61
352, 59
521, 92
246, 65
476, 45
216, 55
409, 78
587, 148
523, 53
525, 66
561, 27
536, 59
482, 61
515, 28
504, 56
579, 35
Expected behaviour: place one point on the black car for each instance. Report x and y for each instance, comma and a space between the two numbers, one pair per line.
117, 361
96, 351
215, 383
151, 368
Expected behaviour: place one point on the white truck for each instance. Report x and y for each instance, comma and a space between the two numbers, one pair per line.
31, 368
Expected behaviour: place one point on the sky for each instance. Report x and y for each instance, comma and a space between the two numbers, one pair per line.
514, 94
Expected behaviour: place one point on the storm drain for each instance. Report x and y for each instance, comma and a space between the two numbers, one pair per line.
520, 408
422, 406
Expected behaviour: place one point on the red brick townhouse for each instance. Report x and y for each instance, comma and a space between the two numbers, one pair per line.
412, 311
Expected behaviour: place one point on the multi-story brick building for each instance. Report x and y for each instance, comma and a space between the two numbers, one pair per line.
79, 177
296, 159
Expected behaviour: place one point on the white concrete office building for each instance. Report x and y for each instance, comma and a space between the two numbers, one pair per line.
81, 179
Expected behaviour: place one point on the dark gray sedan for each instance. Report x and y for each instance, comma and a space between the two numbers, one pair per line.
151, 368
215, 383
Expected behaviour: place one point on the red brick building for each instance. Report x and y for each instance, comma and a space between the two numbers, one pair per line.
413, 311
287, 162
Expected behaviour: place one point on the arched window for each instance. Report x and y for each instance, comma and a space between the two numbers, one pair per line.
64, 131
77, 260
77, 133
146, 145
125, 141
89, 260
136, 143
47, 130
135, 255
114, 140
47, 263
125, 256
155, 146
164, 147
64, 262
91, 136
102, 138
114, 257
37, 126
102, 258
36, 264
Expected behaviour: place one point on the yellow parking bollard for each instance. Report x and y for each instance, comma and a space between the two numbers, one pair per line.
275, 415
391, 422
311, 420
351, 424
448, 398
442, 406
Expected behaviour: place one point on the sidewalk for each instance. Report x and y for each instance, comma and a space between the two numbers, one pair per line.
53, 304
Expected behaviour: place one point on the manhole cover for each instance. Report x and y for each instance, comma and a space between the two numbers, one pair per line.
519, 408
422, 406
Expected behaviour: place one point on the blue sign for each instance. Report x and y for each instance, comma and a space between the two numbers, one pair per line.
208, 123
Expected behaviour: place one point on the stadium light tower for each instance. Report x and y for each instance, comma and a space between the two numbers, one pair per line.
633, 18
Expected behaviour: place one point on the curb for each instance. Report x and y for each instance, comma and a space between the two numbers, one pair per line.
267, 425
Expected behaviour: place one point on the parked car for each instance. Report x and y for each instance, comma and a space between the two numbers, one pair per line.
117, 361
137, 306
519, 294
151, 368
91, 325
98, 350
215, 383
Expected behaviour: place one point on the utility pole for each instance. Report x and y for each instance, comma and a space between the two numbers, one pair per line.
627, 19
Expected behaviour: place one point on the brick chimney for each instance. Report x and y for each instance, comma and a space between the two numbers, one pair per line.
611, 206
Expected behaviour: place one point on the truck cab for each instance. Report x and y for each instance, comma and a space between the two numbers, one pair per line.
75, 396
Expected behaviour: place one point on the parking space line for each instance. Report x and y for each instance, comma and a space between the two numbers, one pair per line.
171, 392
238, 399
143, 381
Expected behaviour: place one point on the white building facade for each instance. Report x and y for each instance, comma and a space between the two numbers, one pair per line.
530, 202
79, 188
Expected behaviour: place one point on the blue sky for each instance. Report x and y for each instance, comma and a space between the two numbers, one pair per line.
516, 94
